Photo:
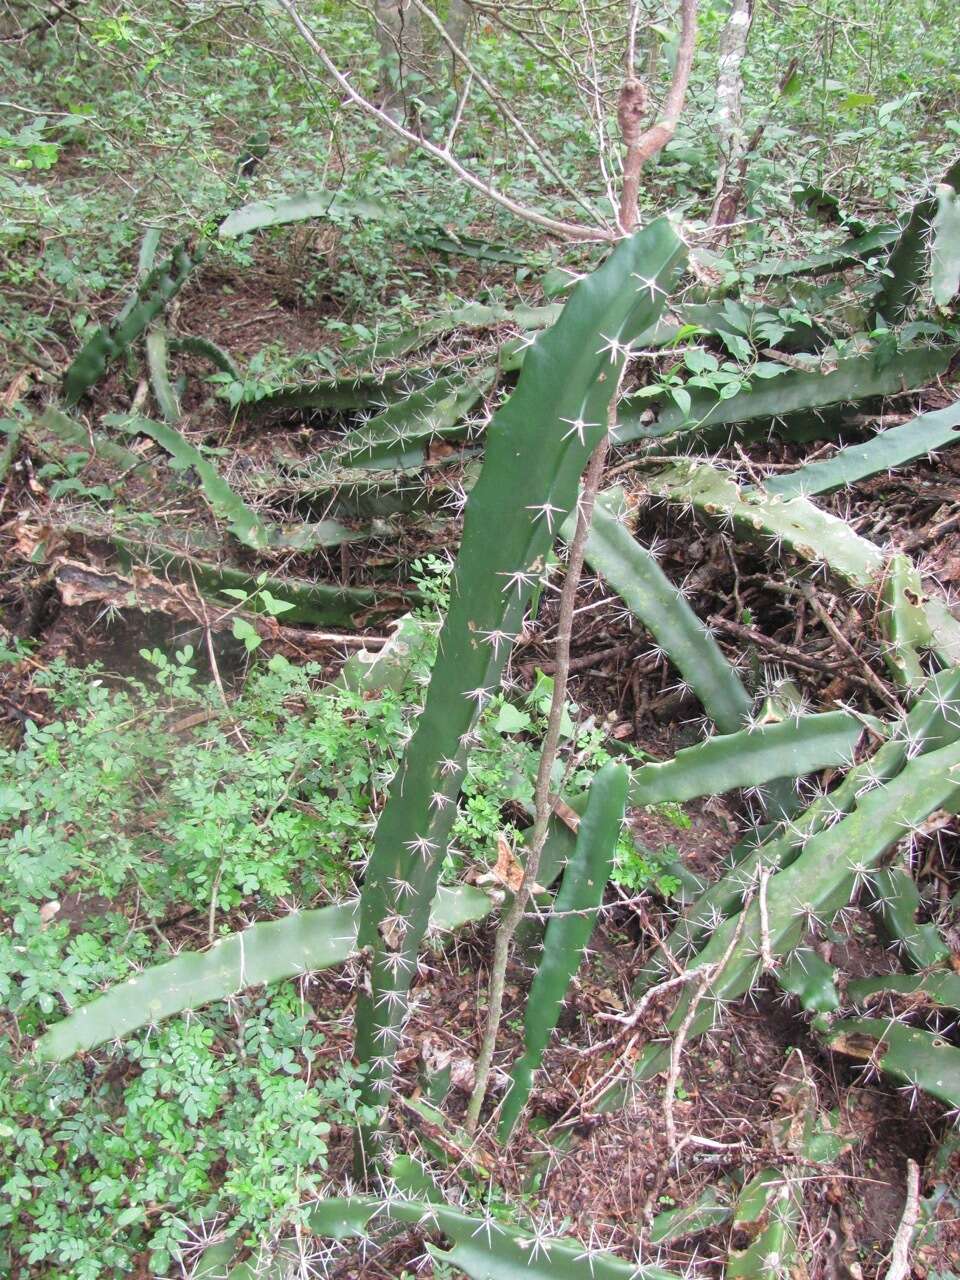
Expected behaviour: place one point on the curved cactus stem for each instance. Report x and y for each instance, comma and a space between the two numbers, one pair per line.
245, 525
372, 670
885, 451
707, 1212
572, 920
944, 632
771, 1206
146, 303
821, 881
938, 987
933, 722
537, 446
203, 348
483, 1245
820, 539
788, 749
807, 976
894, 896
903, 623
65, 429
271, 951
158, 355
475, 315
436, 410
633, 572
261, 214
907, 263
945, 248
794, 391
148, 252
857, 249
811, 534
314, 603
352, 391
914, 1058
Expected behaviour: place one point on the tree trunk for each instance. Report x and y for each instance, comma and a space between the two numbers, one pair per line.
458, 22
729, 114
398, 37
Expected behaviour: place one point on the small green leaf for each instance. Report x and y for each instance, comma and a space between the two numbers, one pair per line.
511, 719
272, 605
242, 630
700, 361
681, 398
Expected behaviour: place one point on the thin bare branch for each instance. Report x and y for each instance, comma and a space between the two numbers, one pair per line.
543, 796
567, 230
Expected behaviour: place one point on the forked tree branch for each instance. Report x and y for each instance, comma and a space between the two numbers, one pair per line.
567, 230
642, 147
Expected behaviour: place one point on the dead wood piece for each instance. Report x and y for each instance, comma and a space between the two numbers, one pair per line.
899, 1268
80, 584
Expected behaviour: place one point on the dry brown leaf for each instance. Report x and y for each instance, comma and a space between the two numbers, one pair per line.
507, 870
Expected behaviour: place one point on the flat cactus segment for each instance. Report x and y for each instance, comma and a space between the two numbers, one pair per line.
633, 572
795, 390
146, 303
572, 920
910, 256
436, 411
271, 951
914, 1058
885, 451
819, 882
245, 525
751, 758
795, 523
